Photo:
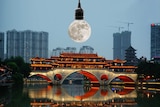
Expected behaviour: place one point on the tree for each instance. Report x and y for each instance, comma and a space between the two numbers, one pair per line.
150, 69
25, 69
20, 69
19, 61
13, 66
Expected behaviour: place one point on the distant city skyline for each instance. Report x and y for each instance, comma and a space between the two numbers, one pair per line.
27, 44
55, 16
84, 49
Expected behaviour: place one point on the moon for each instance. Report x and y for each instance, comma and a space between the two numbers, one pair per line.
79, 31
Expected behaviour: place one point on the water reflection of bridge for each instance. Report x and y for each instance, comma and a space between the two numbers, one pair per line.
83, 104
76, 95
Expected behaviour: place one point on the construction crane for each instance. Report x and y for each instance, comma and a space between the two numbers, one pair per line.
128, 23
119, 27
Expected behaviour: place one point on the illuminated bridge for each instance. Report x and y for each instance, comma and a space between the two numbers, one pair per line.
100, 76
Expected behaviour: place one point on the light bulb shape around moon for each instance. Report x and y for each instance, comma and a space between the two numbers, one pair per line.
79, 31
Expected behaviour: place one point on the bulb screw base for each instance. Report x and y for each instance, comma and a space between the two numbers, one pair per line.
79, 12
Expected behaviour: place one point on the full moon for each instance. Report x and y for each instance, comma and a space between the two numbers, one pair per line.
79, 31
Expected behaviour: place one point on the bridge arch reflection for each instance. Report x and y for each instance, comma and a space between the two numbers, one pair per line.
75, 94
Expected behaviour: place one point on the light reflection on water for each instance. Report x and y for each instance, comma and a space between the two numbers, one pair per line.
73, 95
36, 95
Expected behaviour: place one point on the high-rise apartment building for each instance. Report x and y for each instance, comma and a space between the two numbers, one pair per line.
86, 49
59, 50
83, 49
121, 41
1, 45
27, 44
155, 40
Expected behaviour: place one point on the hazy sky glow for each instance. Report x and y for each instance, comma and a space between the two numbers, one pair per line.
54, 16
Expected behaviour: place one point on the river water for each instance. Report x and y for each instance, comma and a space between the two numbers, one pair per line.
43, 95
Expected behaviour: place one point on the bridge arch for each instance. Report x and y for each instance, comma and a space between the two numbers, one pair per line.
93, 78
124, 78
64, 77
42, 76
89, 75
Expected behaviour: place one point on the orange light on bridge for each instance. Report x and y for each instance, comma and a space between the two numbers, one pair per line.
58, 76
104, 77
